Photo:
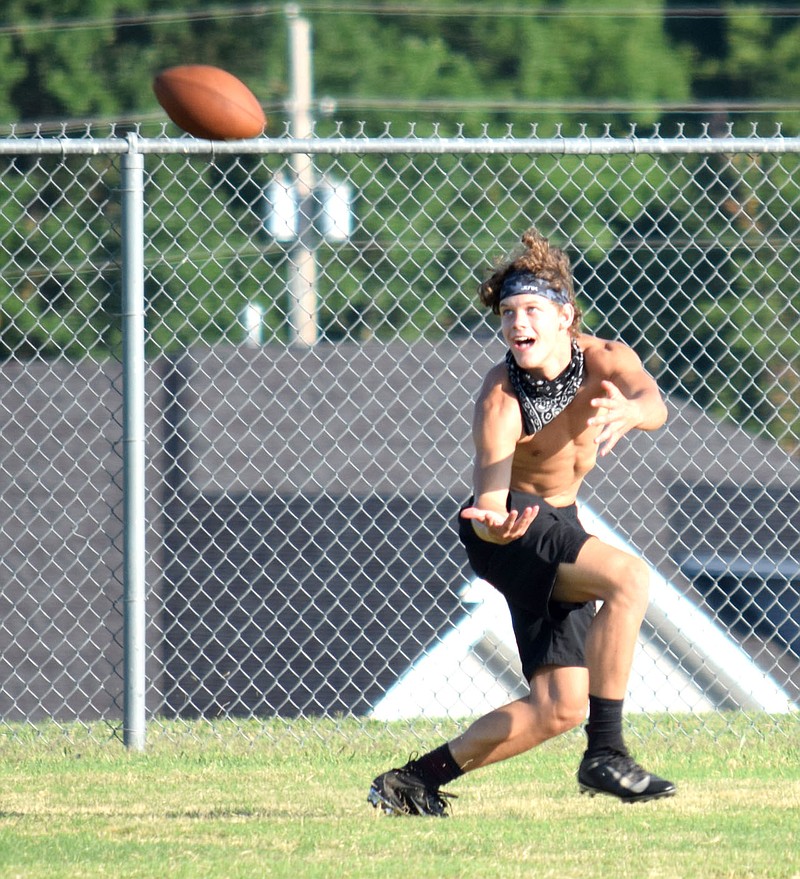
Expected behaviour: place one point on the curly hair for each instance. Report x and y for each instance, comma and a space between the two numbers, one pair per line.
539, 257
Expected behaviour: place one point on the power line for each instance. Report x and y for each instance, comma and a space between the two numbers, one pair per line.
150, 18
564, 105
401, 9
553, 11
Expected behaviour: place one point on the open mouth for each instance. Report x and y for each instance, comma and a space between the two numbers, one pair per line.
523, 344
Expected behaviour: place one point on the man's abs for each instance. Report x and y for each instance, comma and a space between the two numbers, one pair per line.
555, 476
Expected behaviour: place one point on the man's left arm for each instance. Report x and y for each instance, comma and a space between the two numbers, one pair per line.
632, 399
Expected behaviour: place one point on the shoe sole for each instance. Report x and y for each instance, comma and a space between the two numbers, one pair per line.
378, 801
636, 798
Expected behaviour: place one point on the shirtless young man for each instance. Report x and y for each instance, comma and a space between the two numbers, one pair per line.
543, 415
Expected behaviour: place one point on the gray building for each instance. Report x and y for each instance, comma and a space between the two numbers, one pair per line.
301, 548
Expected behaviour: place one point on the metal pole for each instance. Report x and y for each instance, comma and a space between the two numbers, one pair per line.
303, 265
133, 437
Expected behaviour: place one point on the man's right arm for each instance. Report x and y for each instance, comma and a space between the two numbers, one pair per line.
496, 428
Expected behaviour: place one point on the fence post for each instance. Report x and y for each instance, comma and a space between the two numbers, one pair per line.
133, 439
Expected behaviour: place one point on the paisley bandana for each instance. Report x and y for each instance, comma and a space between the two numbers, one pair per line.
542, 399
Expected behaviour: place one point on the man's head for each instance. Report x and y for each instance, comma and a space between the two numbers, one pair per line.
536, 269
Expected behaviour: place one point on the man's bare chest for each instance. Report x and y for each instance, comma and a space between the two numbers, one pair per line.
568, 441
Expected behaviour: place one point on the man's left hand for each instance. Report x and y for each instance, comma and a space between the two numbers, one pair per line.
616, 415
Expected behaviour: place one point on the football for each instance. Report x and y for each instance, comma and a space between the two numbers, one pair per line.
209, 102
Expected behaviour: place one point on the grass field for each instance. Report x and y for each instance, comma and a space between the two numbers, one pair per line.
225, 802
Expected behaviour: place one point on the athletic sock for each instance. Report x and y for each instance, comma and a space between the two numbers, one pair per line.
604, 729
436, 768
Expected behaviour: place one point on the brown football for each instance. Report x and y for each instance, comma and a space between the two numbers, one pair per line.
209, 102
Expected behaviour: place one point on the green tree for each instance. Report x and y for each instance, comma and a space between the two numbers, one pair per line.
59, 250
424, 223
55, 71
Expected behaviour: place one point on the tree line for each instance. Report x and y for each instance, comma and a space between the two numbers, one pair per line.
698, 251
95, 59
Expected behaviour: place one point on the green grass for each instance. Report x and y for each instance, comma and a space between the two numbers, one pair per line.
225, 802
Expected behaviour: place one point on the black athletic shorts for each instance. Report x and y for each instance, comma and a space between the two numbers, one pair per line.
547, 632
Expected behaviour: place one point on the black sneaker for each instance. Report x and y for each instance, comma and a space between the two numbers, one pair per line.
400, 792
618, 775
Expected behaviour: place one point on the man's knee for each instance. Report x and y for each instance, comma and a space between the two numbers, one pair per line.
566, 718
562, 716
604, 573
631, 577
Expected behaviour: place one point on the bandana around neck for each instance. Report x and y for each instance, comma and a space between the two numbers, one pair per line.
542, 399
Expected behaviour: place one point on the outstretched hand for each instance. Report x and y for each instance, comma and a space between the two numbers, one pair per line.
495, 527
616, 415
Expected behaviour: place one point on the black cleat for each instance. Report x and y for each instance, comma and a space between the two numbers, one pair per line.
400, 792
618, 775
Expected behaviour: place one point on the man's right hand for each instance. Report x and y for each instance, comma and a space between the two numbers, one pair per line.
494, 527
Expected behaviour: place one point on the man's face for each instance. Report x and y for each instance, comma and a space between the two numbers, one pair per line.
536, 331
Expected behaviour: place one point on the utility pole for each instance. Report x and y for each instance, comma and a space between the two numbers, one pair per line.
303, 267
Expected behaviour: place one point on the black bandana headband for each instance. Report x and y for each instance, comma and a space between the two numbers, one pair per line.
522, 281
542, 399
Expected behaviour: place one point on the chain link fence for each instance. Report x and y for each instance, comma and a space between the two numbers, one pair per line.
311, 356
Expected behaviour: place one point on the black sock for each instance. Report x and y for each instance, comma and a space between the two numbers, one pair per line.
604, 729
436, 768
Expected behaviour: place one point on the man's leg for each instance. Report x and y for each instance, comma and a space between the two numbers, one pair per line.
620, 581
556, 703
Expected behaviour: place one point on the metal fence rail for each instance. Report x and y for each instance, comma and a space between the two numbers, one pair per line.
234, 418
